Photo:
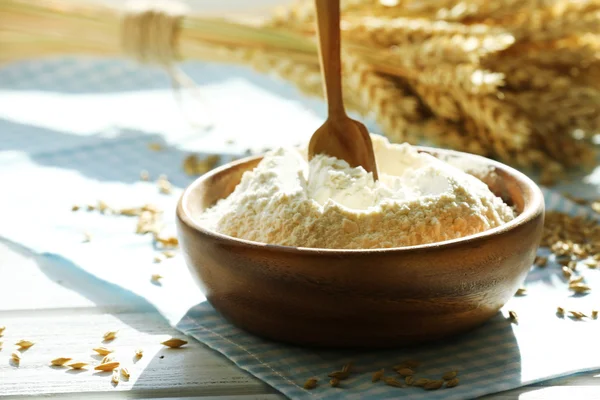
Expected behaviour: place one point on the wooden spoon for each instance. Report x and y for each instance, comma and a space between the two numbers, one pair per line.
340, 136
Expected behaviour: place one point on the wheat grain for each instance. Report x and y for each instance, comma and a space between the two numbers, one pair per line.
78, 365
24, 344
109, 366
391, 108
392, 382
310, 383
59, 362
115, 377
103, 351
377, 375
452, 383
448, 376
174, 343
433, 385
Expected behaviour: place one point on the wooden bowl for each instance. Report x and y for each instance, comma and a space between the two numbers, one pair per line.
362, 298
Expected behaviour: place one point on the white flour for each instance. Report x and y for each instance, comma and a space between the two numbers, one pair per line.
418, 199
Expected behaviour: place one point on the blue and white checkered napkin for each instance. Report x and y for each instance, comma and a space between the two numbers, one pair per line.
78, 131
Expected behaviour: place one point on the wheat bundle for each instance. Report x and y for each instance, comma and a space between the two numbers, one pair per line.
515, 80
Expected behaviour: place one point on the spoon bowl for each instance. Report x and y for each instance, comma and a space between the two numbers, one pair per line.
362, 298
340, 136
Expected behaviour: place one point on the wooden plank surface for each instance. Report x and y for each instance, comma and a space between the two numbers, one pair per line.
191, 370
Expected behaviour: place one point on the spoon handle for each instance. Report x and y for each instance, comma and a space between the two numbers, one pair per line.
328, 26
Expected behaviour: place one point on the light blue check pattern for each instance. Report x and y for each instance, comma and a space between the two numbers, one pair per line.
490, 359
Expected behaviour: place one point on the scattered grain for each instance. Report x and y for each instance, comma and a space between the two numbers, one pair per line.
575, 280
75, 207
125, 373
169, 241
405, 372
174, 343
115, 377
541, 261
158, 258
334, 382
433, 385
16, 357
103, 207
163, 184
78, 365
130, 212
156, 278
110, 335
59, 362
24, 344
168, 254
580, 288
392, 382
90, 207
139, 353
377, 375
513, 316
577, 314
348, 367
310, 383
87, 237
577, 200
560, 311
339, 375
591, 263
410, 380
155, 146
2, 328
421, 382
452, 383
594, 314
572, 265
109, 366
450, 375
521, 291
103, 351
107, 359
194, 166
566, 271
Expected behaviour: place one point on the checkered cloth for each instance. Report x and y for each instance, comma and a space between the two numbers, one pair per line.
74, 131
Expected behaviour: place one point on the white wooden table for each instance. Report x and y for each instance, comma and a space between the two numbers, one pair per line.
40, 301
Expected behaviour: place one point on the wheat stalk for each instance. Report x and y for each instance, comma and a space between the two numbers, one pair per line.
439, 102
391, 107
386, 32
503, 120
563, 19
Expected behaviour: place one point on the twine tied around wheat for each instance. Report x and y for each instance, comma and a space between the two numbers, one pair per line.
149, 34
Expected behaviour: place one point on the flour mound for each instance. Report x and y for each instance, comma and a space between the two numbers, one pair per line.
327, 204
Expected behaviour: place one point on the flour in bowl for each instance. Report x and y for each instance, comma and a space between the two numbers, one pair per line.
325, 203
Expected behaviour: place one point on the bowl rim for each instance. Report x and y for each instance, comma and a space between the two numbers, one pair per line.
532, 210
